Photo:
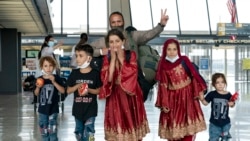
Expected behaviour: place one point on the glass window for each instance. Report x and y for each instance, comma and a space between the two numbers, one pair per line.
243, 10
56, 15
218, 13
193, 16
141, 14
172, 25
74, 16
98, 19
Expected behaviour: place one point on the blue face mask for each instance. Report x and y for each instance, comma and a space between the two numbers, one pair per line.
51, 43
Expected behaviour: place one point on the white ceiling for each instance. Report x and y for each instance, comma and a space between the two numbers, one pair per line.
30, 17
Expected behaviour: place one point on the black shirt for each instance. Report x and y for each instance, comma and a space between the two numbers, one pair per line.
49, 97
219, 108
84, 107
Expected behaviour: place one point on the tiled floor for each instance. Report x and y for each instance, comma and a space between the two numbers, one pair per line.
18, 122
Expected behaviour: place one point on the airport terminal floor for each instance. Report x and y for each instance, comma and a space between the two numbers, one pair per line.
18, 121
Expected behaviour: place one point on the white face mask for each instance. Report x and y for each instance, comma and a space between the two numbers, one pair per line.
51, 43
85, 64
172, 60
44, 73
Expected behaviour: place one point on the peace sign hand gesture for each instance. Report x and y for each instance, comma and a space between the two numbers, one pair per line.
164, 17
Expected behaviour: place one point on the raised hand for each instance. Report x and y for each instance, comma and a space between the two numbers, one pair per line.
164, 17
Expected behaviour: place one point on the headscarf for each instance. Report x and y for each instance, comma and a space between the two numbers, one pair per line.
164, 64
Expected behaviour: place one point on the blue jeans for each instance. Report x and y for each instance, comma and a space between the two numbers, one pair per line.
216, 132
48, 127
85, 130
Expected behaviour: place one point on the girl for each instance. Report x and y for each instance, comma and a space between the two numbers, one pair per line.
47, 90
125, 115
220, 102
181, 116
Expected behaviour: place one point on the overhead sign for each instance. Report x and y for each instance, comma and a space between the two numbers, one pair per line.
229, 29
214, 41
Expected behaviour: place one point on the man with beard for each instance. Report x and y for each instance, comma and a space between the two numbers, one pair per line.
116, 20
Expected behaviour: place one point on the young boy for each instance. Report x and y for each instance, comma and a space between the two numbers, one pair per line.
47, 87
85, 83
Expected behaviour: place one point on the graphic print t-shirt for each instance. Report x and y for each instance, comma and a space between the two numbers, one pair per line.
219, 108
84, 107
49, 97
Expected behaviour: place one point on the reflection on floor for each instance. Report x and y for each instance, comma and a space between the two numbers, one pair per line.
18, 121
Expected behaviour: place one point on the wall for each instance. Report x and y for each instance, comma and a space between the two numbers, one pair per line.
10, 73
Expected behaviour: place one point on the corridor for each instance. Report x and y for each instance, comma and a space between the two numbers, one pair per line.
18, 121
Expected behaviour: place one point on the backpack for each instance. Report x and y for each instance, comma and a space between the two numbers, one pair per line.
197, 70
148, 59
96, 63
29, 83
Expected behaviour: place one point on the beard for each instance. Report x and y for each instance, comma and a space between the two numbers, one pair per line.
120, 28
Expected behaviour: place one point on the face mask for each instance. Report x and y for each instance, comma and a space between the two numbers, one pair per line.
44, 73
85, 64
172, 60
51, 43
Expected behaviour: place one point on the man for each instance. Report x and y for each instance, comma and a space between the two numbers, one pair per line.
116, 20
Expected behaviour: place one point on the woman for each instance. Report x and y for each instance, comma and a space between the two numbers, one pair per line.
49, 46
181, 116
125, 115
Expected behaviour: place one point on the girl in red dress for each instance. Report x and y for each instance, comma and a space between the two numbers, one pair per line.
125, 115
181, 116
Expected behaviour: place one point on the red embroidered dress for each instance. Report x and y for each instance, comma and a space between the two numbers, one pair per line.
179, 93
125, 115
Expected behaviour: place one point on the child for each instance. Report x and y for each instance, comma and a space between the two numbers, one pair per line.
181, 116
220, 101
85, 104
47, 91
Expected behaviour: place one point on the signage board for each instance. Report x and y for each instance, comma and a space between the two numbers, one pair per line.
204, 64
229, 29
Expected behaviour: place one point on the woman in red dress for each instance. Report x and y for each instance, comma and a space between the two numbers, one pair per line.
181, 116
125, 115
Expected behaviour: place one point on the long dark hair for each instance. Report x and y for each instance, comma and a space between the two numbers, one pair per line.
114, 32
83, 39
45, 44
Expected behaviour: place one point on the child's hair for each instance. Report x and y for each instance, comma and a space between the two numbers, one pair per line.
49, 59
116, 32
215, 76
88, 49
